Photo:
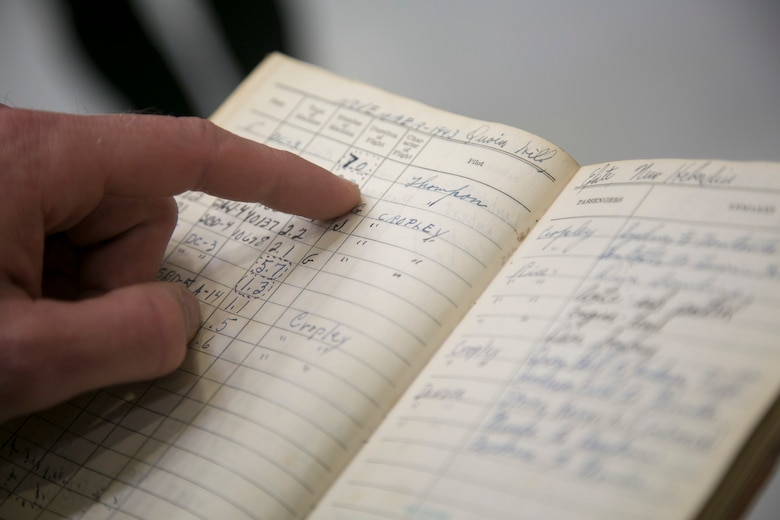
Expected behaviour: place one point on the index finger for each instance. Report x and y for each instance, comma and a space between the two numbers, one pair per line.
87, 157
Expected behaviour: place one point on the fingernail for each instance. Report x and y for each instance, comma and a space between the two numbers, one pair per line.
354, 188
191, 308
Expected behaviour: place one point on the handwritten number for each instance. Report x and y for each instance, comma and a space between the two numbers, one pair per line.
352, 159
224, 324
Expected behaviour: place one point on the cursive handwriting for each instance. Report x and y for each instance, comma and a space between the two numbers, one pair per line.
428, 184
571, 235
483, 135
315, 328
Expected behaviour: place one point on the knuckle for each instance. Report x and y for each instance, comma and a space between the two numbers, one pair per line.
199, 130
209, 139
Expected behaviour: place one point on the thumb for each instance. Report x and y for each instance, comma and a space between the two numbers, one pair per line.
52, 350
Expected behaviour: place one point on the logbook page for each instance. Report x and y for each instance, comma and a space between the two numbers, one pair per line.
312, 329
612, 369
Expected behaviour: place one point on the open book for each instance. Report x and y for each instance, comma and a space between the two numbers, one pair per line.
494, 333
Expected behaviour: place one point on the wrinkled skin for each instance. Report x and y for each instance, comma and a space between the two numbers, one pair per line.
86, 211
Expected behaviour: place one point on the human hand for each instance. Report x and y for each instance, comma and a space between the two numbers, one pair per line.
86, 211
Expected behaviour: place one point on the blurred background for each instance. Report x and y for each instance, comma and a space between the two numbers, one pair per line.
604, 79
